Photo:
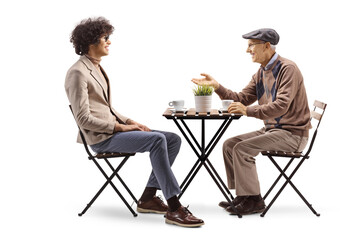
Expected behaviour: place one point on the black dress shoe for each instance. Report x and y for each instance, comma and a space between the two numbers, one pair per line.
252, 204
236, 201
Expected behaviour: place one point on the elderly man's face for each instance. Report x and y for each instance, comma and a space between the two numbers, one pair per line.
257, 48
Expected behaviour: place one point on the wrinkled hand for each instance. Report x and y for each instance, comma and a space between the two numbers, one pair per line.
206, 81
237, 107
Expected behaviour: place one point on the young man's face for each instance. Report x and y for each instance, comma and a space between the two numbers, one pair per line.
102, 48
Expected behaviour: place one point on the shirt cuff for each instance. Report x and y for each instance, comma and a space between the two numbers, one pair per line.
250, 111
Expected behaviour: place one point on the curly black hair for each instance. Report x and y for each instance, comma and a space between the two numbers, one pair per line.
89, 31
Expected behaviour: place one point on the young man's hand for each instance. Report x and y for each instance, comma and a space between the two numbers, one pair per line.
143, 127
126, 128
130, 125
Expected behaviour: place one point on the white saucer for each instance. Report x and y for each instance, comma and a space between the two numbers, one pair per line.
223, 110
173, 110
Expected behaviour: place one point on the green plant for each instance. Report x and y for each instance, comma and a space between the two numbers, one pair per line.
203, 90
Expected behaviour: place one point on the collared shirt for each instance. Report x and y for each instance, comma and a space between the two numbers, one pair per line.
270, 63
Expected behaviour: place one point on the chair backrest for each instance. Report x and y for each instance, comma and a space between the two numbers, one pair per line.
317, 115
82, 137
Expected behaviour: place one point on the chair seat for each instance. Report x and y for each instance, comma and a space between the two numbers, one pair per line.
282, 154
113, 154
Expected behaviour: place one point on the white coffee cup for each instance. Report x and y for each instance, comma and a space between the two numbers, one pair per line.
226, 103
178, 104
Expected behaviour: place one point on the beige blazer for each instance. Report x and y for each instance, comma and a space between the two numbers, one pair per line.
89, 96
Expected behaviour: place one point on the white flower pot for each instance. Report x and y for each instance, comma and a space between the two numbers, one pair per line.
203, 103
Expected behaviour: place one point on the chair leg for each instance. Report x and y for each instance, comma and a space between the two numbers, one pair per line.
93, 199
288, 180
108, 181
277, 179
120, 179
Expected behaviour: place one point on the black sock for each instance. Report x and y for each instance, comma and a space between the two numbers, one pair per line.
173, 203
148, 194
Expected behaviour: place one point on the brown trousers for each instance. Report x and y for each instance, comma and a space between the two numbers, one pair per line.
239, 153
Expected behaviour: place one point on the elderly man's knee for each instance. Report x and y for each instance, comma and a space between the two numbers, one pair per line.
228, 145
241, 147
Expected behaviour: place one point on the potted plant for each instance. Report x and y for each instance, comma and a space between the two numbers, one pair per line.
203, 96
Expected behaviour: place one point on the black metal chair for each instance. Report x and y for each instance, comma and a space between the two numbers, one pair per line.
109, 179
292, 155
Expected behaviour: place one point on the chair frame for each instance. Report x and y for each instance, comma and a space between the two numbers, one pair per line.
292, 156
109, 179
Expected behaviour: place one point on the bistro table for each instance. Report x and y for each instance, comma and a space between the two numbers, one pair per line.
203, 151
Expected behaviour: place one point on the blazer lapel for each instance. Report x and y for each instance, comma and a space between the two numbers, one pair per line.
108, 84
95, 74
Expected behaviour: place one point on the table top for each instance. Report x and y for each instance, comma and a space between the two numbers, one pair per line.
192, 114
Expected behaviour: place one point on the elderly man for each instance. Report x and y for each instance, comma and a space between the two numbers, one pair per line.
278, 87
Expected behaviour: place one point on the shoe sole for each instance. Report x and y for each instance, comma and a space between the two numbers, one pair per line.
249, 213
143, 210
183, 225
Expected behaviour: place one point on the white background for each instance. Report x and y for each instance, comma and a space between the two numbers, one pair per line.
157, 47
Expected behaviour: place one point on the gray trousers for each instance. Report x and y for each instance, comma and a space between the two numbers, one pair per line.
163, 148
239, 153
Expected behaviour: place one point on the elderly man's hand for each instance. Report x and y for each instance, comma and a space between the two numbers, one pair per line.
237, 107
206, 81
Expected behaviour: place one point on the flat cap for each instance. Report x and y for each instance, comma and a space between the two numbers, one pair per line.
264, 34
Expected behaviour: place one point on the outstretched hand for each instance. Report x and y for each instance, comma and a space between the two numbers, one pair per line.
206, 81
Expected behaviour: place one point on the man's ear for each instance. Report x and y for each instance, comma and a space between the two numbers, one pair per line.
268, 45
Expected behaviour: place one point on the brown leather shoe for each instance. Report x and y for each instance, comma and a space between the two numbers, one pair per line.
236, 201
155, 205
252, 204
183, 217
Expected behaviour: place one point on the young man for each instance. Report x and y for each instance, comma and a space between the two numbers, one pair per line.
88, 89
279, 88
